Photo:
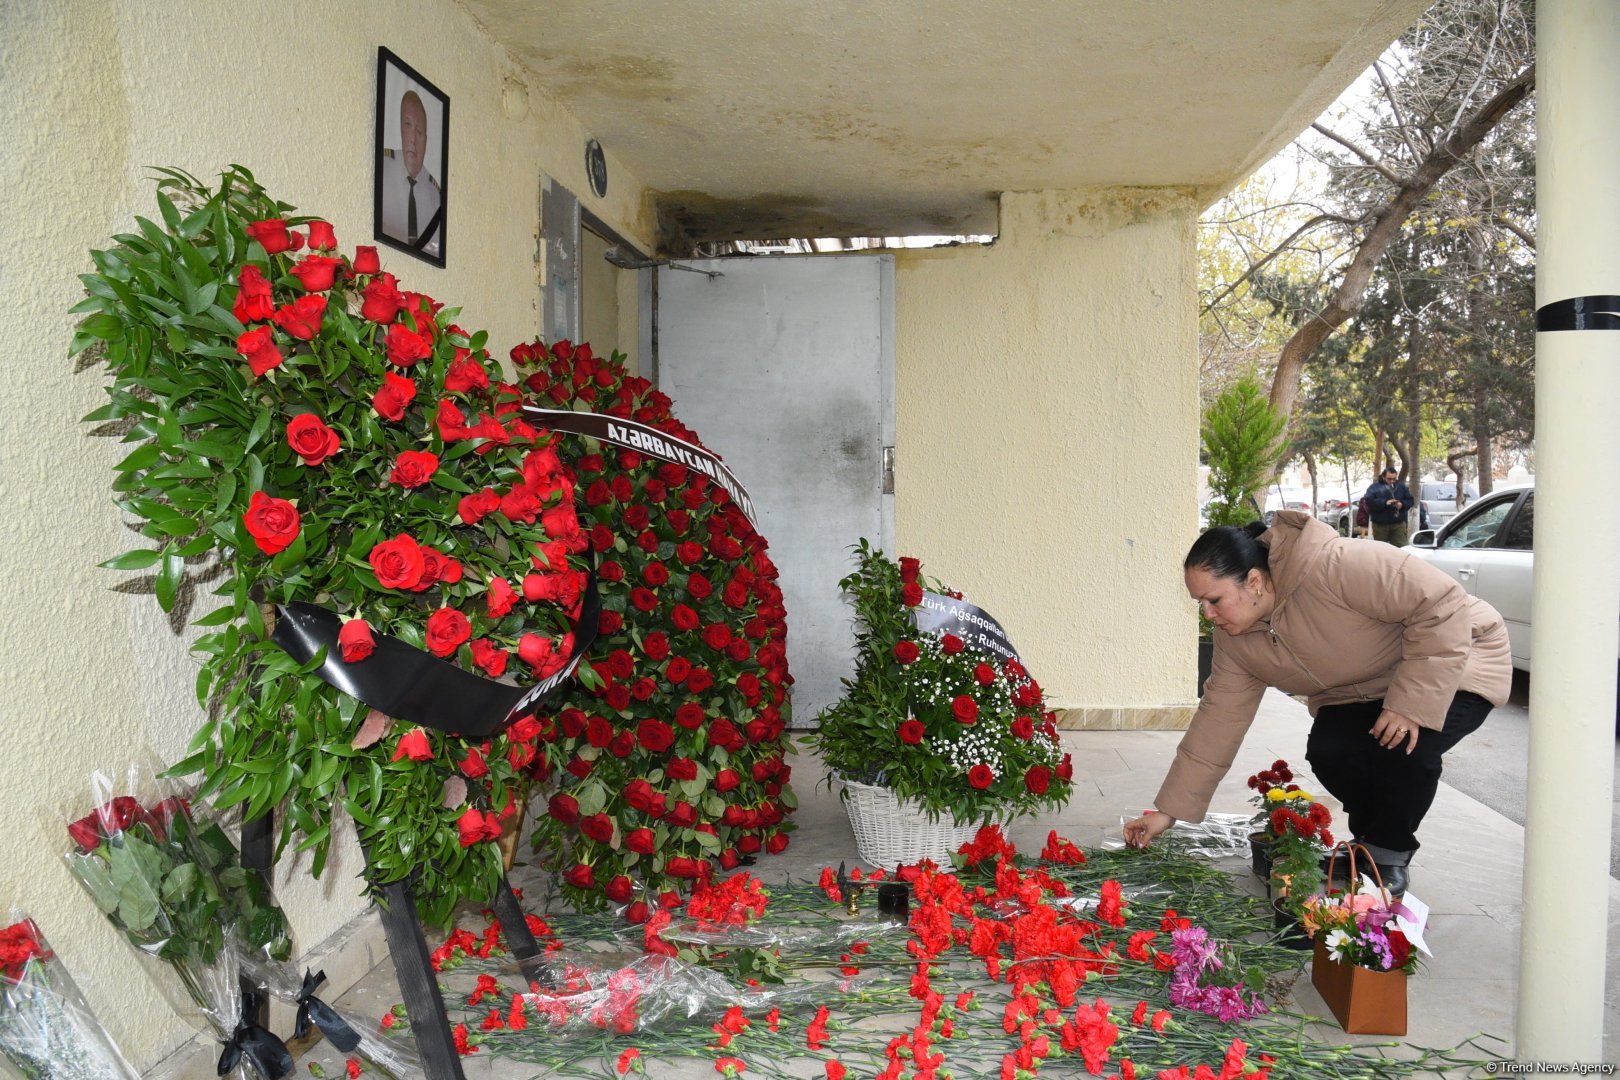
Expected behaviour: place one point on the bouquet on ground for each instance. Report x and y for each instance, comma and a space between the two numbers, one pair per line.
1362, 929
1295, 827
47, 1032
953, 729
143, 866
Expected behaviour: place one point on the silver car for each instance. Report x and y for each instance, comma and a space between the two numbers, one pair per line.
1438, 501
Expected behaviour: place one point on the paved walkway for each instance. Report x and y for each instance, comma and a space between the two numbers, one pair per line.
1468, 871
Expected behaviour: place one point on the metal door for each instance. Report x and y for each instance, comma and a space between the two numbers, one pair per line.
785, 367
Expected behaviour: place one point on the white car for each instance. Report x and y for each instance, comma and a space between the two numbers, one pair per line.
1489, 549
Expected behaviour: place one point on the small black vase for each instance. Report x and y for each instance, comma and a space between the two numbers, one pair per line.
1260, 855
1293, 935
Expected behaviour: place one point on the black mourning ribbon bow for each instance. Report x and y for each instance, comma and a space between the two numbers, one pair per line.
263, 1050
338, 1031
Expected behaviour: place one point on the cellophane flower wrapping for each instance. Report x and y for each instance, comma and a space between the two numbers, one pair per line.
384, 1054
47, 1032
184, 903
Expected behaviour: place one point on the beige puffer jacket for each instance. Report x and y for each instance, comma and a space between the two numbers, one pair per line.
1355, 620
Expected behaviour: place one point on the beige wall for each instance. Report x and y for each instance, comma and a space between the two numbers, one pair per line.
97, 91
1047, 434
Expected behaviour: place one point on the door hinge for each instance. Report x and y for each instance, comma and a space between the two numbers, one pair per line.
888, 470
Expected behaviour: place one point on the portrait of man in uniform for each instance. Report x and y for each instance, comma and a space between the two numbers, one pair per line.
413, 121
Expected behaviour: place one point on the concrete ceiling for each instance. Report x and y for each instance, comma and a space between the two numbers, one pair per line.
776, 118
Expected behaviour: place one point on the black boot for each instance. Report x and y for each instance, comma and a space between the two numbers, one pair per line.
1392, 867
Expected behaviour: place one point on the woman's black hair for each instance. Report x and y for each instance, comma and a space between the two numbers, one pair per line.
1230, 551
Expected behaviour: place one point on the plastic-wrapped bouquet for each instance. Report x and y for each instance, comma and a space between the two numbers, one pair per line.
47, 1032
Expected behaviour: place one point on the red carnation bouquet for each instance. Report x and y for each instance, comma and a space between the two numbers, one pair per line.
955, 730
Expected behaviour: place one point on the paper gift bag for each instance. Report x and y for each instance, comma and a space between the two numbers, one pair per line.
1364, 1001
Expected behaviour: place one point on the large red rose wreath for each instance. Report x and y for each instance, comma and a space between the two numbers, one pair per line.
329, 439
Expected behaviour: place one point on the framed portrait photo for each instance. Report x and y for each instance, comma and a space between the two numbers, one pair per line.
412, 160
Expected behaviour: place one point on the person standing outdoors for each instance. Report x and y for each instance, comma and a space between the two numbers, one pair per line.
1389, 504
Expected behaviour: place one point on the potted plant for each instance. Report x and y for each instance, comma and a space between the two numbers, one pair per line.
933, 737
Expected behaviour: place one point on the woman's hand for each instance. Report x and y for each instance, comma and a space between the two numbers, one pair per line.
1140, 832
1393, 729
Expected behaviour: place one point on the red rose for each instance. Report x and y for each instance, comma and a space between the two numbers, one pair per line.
398, 562
909, 569
500, 598
619, 890
393, 395
382, 300
355, 642
699, 681
912, 594
273, 523
271, 235
655, 735
301, 318
253, 301
911, 732
258, 347
311, 439
316, 272
717, 636
321, 237
683, 867
477, 827
413, 468
726, 780
1037, 778
415, 745
598, 827
984, 674
700, 588
640, 841
677, 670
1023, 728
905, 651
466, 374
565, 808
981, 777
736, 594
540, 653
950, 644
690, 715
406, 347
473, 767
609, 623
684, 618
689, 552
777, 843
655, 645
581, 877
365, 259
643, 599
681, 768
447, 628
964, 708
683, 815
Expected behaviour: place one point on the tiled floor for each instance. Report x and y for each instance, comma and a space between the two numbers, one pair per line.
1468, 871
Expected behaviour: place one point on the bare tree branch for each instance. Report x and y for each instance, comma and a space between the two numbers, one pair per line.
1395, 108
1528, 239
1371, 161
1320, 219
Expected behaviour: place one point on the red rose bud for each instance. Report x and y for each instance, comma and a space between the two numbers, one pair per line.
253, 299
477, 827
598, 827
447, 628
911, 732
726, 780
301, 319
911, 594
365, 259
258, 347
473, 765
964, 708
981, 777
271, 235
414, 744
500, 598
316, 273
321, 236
950, 644
355, 642
640, 841
909, 569
777, 843
620, 889
564, 808
581, 877
681, 867
311, 439
273, 523
683, 815
748, 845
1037, 779
905, 651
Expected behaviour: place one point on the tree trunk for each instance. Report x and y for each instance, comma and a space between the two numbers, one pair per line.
1386, 226
1310, 467
1487, 467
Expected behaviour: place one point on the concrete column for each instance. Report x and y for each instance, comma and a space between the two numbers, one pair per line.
1577, 582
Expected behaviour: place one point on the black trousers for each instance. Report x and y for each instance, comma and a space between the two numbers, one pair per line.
1385, 792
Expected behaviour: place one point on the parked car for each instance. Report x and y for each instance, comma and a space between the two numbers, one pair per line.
1439, 501
1343, 514
1289, 498
1489, 548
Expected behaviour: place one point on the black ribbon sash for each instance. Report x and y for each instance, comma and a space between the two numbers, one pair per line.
1579, 313
413, 685
978, 629
260, 1047
338, 1031
646, 440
